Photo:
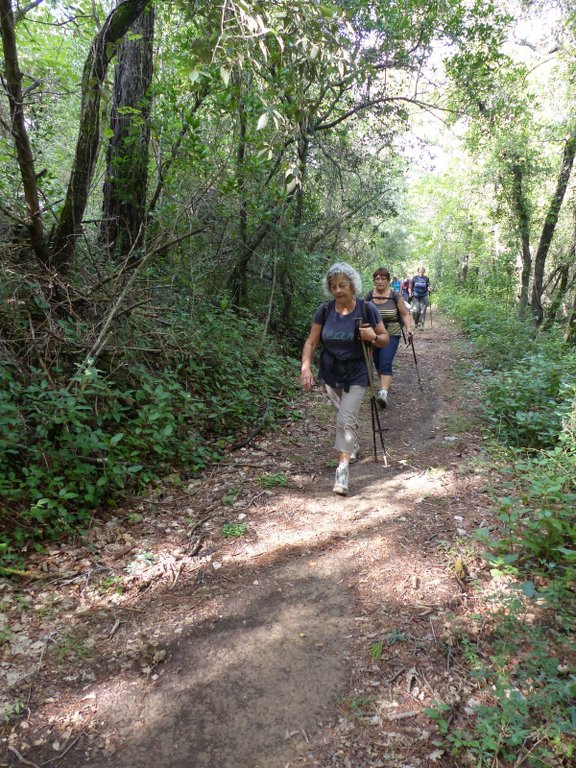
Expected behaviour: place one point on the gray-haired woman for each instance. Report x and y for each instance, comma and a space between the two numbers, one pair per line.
343, 325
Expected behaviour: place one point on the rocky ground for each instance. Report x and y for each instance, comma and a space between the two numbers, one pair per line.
251, 618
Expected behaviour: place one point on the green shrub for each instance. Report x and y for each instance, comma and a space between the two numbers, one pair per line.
537, 531
70, 448
531, 717
500, 337
528, 405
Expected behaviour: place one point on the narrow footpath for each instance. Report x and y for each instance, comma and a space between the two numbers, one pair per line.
251, 618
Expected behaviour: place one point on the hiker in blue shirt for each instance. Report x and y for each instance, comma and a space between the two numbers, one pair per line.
342, 325
420, 290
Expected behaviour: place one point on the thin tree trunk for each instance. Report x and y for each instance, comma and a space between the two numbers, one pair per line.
115, 27
165, 165
562, 285
464, 266
520, 207
549, 228
20, 134
238, 281
570, 336
286, 264
126, 182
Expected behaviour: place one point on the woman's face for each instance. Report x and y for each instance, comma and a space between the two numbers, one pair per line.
341, 288
381, 281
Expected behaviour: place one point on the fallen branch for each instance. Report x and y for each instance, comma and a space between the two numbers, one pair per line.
22, 759
403, 715
68, 748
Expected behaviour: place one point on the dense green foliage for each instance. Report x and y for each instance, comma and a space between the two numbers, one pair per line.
67, 450
142, 344
281, 137
531, 377
529, 396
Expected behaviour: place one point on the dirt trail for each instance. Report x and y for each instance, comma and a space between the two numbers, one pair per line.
316, 638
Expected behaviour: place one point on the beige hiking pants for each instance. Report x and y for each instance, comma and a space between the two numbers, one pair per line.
347, 405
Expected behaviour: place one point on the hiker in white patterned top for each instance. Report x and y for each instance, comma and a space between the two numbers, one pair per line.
342, 325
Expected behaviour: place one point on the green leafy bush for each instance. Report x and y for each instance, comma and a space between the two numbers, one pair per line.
70, 448
500, 337
530, 717
529, 404
537, 531
529, 377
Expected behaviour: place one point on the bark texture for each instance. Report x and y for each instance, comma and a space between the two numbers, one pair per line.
549, 228
103, 48
19, 132
126, 182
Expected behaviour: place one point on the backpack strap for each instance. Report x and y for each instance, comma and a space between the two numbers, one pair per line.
363, 309
325, 307
395, 297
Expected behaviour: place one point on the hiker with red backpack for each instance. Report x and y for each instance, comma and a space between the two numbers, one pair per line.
395, 316
405, 291
420, 291
343, 325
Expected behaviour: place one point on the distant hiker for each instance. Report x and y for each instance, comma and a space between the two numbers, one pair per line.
405, 290
342, 325
420, 289
394, 314
396, 284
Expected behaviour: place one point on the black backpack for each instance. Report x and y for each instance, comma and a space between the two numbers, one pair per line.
394, 295
326, 306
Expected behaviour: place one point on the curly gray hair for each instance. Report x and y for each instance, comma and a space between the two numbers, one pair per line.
341, 268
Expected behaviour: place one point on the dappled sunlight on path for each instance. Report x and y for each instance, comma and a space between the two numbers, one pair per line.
269, 648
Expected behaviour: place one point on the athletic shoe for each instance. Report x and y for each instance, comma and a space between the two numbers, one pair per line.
382, 398
355, 451
341, 484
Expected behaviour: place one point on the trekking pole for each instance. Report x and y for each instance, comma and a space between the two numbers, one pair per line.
375, 416
410, 343
430, 309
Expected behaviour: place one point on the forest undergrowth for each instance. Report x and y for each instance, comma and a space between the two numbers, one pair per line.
514, 646
529, 410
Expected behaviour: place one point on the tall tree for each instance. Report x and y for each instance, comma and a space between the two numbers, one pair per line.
550, 225
126, 181
103, 48
19, 132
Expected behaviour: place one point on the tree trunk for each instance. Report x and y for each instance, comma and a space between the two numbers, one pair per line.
238, 280
549, 228
562, 286
124, 204
570, 336
103, 48
464, 266
20, 134
287, 285
520, 207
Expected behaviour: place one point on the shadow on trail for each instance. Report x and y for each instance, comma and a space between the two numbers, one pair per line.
247, 685
256, 654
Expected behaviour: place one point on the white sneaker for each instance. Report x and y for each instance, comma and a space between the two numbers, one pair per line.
382, 398
341, 484
355, 451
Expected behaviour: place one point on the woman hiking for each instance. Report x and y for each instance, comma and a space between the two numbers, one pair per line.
420, 291
394, 315
342, 325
